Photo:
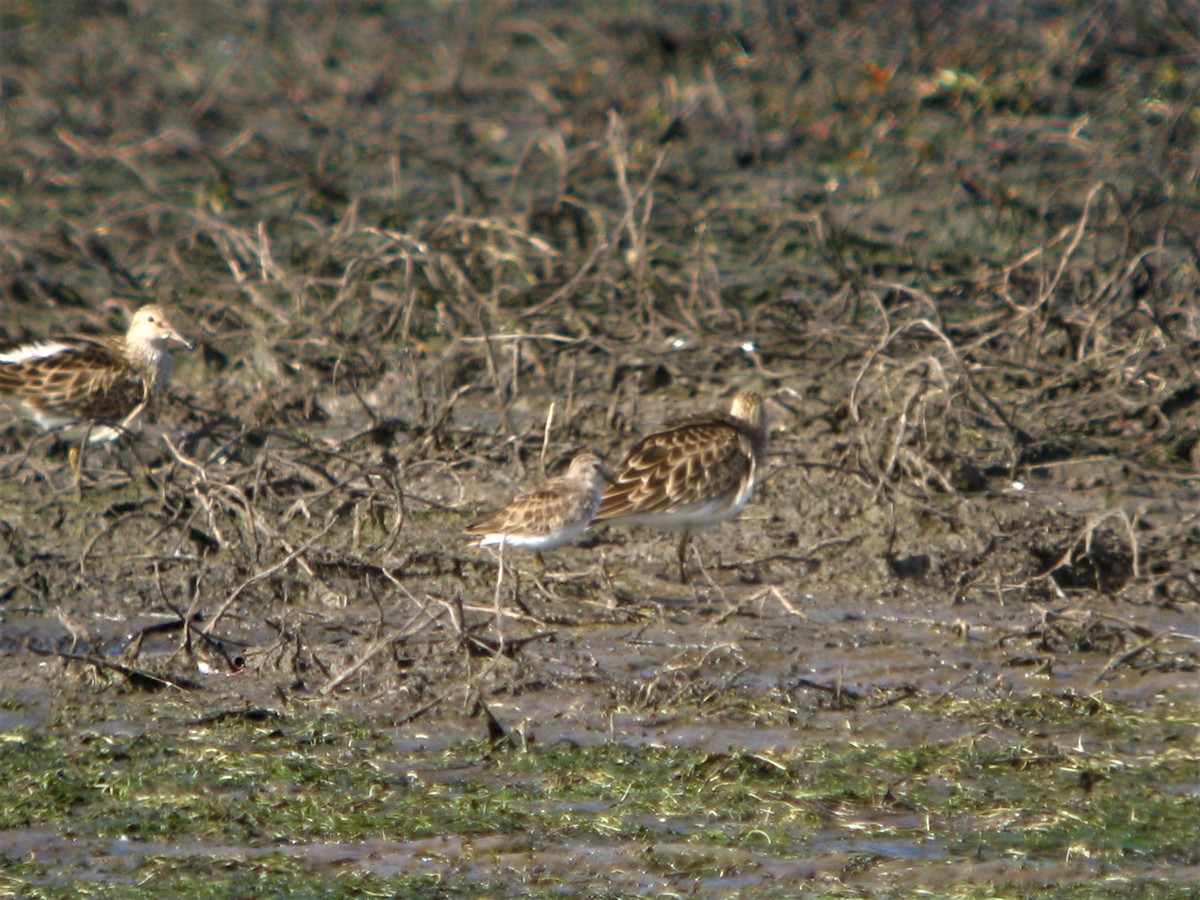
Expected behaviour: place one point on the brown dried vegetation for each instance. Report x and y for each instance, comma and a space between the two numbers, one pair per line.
430, 251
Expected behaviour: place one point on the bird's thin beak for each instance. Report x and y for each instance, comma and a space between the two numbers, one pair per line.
180, 340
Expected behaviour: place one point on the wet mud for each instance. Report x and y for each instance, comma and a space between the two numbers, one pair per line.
420, 286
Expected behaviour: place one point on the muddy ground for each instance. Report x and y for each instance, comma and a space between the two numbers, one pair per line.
430, 251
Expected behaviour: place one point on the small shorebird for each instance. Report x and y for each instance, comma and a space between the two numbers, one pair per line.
694, 474
549, 516
103, 383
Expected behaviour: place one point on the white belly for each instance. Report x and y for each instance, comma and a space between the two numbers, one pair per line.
699, 517
536, 542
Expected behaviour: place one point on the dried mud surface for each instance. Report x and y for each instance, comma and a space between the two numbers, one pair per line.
431, 251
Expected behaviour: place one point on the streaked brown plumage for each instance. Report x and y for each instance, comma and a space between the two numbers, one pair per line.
102, 382
692, 475
549, 516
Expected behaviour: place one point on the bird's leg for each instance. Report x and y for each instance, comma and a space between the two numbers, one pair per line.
521, 604
541, 561
75, 458
140, 470
496, 599
683, 545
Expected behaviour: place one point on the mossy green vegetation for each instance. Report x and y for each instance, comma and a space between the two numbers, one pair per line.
429, 250
321, 804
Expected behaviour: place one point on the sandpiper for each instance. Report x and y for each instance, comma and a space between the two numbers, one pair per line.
103, 383
692, 475
549, 516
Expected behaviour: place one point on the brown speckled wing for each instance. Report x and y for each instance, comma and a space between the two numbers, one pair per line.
689, 462
537, 512
92, 380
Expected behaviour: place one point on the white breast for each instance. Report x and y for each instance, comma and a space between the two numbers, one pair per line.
162, 370
540, 542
